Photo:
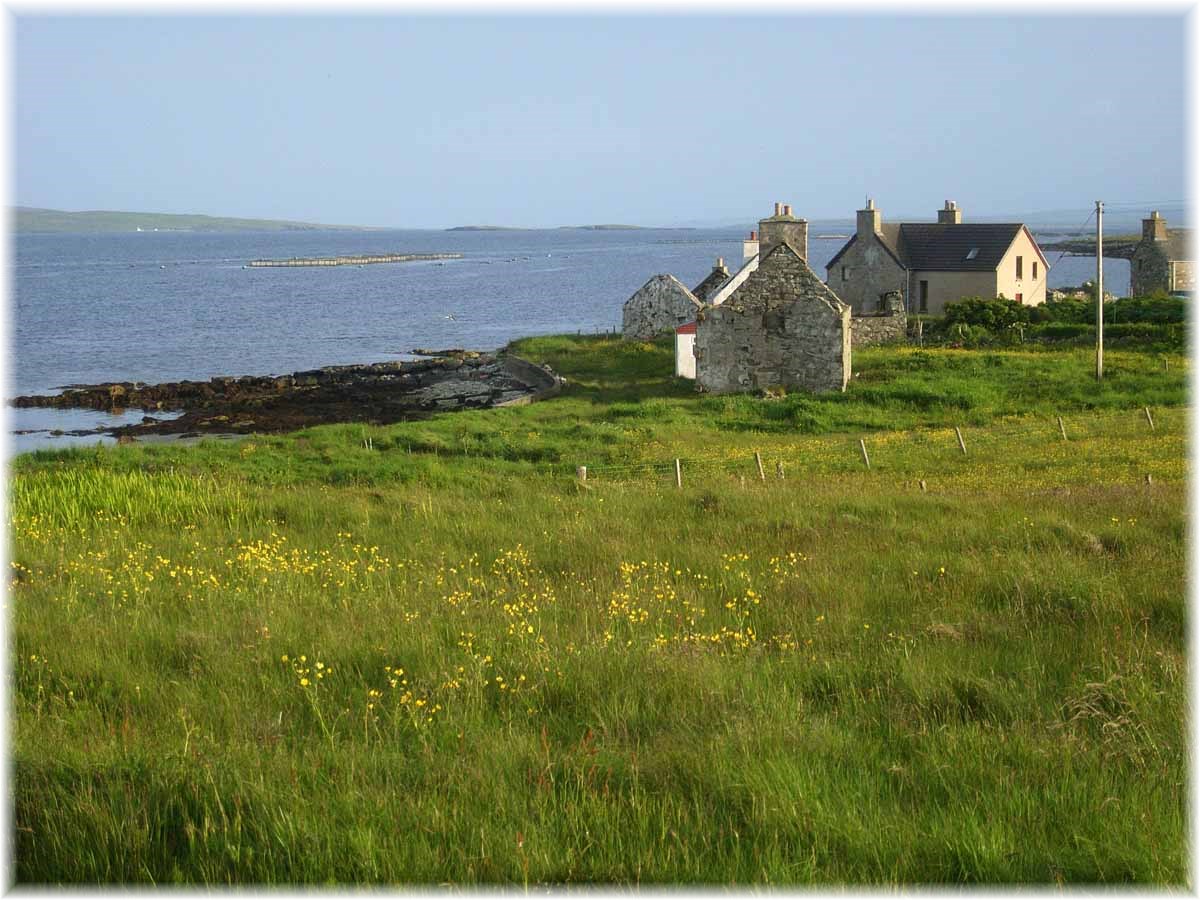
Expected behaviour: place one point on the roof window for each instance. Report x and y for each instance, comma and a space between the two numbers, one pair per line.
974, 252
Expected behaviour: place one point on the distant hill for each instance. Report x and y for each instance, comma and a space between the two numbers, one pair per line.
487, 228
32, 219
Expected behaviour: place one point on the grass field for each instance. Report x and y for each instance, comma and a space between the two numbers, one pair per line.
442, 659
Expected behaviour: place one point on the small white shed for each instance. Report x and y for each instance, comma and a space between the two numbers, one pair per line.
685, 347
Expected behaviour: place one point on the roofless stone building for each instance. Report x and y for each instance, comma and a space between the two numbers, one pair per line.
659, 306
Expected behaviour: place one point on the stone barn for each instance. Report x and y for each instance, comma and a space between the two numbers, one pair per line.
783, 327
659, 306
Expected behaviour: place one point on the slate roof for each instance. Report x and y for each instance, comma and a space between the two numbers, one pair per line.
944, 248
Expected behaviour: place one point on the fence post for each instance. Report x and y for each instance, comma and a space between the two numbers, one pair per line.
866, 459
962, 446
1148, 418
1061, 428
581, 473
678, 475
762, 476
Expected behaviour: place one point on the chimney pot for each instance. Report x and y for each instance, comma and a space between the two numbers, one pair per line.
778, 209
787, 210
870, 203
754, 235
720, 263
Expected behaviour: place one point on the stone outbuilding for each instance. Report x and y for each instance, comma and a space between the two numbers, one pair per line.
1162, 260
933, 264
782, 327
659, 306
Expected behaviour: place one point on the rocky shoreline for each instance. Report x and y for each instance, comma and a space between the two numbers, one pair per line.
374, 393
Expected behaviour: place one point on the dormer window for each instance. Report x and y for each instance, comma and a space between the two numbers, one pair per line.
974, 252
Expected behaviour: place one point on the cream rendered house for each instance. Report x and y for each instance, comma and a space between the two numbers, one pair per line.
932, 264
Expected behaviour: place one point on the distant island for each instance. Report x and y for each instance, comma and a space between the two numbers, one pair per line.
33, 219
569, 228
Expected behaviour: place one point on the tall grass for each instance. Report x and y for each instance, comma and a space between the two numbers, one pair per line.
447, 661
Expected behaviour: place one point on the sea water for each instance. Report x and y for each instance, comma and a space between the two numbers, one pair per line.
173, 305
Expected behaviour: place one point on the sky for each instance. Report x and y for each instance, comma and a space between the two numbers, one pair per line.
411, 120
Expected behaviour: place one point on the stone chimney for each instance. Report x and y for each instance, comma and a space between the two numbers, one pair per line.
868, 221
1154, 228
780, 227
750, 246
950, 214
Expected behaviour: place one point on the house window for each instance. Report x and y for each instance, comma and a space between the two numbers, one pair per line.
1020, 261
972, 253
845, 273
924, 296
1020, 298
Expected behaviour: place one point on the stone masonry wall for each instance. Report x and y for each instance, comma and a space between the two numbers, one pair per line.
782, 328
870, 271
659, 306
1149, 269
880, 327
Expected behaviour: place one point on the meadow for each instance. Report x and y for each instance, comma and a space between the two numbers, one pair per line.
429, 654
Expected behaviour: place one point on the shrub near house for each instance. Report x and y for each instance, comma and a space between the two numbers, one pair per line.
1148, 322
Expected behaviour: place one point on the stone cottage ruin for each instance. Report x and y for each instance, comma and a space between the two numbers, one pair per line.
659, 306
1162, 260
782, 327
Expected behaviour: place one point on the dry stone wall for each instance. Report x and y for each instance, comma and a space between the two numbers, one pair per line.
659, 306
783, 327
880, 327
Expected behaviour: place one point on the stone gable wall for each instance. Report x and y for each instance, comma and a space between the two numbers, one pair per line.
659, 306
716, 280
870, 272
1149, 269
783, 328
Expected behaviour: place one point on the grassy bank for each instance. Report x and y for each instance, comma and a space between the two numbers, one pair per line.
442, 659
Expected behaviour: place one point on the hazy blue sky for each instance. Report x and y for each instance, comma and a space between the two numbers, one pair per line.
420, 121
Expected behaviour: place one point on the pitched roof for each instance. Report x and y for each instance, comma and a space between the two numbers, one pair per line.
944, 248
748, 296
957, 248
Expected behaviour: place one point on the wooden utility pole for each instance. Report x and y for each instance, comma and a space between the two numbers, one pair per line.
1099, 290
